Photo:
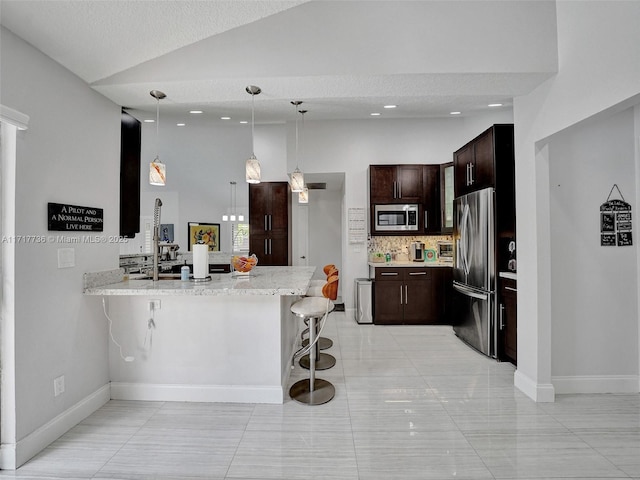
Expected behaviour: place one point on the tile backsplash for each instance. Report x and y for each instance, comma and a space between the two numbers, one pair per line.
398, 246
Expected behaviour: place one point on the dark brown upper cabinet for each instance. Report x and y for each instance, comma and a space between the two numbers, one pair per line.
395, 184
130, 142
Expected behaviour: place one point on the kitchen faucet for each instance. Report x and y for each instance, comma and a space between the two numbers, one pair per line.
156, 238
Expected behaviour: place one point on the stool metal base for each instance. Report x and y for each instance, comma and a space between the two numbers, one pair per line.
323, 391
324, 361
324, 343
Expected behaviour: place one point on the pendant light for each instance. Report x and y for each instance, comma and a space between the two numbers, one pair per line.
252, 166
297, 177
303, 196
157, 169
233, 202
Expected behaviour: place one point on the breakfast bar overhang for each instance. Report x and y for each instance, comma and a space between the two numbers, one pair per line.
231, 339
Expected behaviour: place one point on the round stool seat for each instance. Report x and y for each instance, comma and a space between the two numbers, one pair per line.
312, 307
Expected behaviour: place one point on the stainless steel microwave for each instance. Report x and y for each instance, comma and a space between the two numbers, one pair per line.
396, 218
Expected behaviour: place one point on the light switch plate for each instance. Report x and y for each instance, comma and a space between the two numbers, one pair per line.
66, 257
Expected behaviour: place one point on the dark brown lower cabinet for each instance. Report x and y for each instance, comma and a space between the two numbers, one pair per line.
410, 295
508, 321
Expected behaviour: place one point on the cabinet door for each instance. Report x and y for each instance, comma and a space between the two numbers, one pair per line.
483, 152
387, 291
431, 189
382, 184
280, 197
388, 307
420, 304
463, 165
271, 249
409, 183
446, 197
259, 205
279, 249
508, 320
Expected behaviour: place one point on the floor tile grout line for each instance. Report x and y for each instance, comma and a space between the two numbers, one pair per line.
129, 439
346, 393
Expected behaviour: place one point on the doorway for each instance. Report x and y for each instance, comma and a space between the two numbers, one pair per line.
317, 225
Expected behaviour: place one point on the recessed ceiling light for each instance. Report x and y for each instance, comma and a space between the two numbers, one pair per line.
149, 121
225, 118
390, 106
494, 105
195, 111
244, 121
374, 114
454, 113
180, 124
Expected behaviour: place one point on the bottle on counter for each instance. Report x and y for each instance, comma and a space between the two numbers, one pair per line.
387, 257
184, 273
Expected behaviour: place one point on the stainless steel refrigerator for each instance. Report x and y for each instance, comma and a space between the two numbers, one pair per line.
474, 270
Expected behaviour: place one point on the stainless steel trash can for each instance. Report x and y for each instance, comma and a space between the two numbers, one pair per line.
364, 300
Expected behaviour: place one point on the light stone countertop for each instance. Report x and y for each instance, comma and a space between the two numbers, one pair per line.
410, 264
261, 281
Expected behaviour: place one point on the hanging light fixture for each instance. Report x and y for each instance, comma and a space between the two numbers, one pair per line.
252, 166
233, 202
303, 195
157, 169
297, 177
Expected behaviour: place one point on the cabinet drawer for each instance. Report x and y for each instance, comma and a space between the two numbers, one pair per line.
389, 274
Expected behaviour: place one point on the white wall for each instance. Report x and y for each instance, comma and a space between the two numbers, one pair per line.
69, 154
595, 311
598, 69
201, 161
351, 146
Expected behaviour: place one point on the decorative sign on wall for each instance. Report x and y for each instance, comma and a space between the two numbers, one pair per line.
70, 218
615, 221
357, 225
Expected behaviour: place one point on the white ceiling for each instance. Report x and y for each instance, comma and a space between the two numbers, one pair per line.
344, 59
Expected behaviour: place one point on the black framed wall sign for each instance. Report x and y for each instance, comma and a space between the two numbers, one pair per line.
615, 222
63, 217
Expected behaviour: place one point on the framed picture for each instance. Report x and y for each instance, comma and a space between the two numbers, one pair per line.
205, 233
166, 232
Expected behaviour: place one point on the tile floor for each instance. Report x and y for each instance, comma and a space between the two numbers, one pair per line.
411, 403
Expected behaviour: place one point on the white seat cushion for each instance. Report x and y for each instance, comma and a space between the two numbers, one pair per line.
312, 306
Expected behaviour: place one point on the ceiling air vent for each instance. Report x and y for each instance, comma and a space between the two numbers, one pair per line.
317, 186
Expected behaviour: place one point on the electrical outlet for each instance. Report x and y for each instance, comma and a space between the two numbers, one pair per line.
154, 305
58, 385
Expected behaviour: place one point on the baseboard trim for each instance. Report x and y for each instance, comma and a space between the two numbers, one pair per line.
196, 393
13, 456
596, 384
538, 392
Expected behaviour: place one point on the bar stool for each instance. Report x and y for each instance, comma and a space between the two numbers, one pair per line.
323, 361
315, 290
314, 391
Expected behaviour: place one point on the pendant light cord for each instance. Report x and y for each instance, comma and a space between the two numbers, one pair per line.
253, 134
157, 128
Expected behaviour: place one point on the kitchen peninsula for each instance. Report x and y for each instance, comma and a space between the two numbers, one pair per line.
231, 339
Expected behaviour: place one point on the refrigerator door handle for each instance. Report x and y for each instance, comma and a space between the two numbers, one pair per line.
470, 293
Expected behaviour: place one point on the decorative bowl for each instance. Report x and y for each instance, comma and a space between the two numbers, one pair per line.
244, 264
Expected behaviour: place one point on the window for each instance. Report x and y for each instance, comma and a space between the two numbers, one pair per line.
240, 237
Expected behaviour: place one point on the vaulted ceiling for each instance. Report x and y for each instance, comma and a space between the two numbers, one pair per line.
344, 59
